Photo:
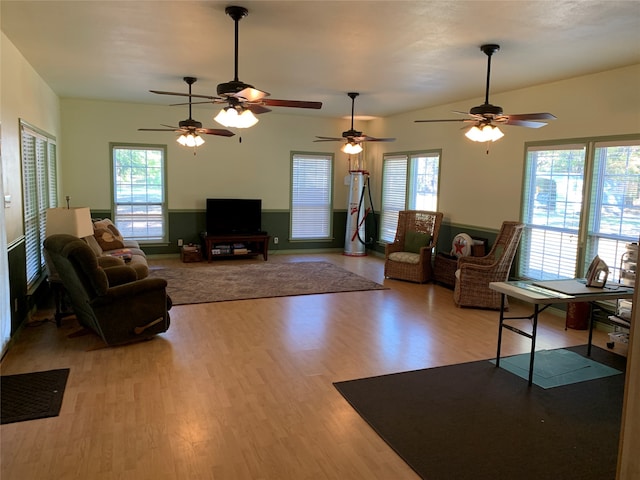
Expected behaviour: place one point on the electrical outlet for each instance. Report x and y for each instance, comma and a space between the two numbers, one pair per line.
180, 242
275, 240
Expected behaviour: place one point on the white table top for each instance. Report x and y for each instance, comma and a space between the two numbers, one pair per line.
530, 293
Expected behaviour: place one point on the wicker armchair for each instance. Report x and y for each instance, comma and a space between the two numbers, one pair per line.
475, 273
409, 256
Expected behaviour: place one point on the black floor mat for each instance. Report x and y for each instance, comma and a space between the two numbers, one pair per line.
28, 396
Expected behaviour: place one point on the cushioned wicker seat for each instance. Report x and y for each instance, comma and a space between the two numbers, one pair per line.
409, 256
475, 273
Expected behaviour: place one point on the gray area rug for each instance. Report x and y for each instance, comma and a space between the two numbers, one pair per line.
220, 283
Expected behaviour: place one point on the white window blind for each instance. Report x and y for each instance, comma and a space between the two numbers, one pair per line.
564, 231
311, 196
139, 192
614, 216
394, 194
39, 186
409, 181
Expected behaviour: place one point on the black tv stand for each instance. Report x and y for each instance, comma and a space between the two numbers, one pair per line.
258, 243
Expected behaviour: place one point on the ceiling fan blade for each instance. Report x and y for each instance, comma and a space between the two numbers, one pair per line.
160, 92
170, 126
531, 116
159, 130
374, 139
524, 123
272, 102
443, 120
213, 100
216, 131
250, 94
256, 108
328, 139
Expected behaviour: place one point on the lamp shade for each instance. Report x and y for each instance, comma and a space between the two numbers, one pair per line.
70, 221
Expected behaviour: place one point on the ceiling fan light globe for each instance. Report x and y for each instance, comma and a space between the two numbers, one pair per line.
496, 134
246, 119
226, 117
474, 134
351, 148
488, 133
229, 117
190, 140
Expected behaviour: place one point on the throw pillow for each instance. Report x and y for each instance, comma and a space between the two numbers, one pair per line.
106, 239
108, 224
413, 241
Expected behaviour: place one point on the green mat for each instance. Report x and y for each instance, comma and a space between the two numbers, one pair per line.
553, 368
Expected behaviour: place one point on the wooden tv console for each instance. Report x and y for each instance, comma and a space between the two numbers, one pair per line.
258, 243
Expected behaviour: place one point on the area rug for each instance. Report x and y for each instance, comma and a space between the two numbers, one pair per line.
28, 396
553, 368
474, 420
219, 283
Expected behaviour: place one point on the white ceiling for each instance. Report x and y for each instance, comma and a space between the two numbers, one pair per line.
400, 55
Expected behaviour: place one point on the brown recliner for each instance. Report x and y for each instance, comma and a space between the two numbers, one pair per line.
111, 301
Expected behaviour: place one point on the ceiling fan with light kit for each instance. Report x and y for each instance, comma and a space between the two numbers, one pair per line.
190, 129
353, 138
243, 101
483, 117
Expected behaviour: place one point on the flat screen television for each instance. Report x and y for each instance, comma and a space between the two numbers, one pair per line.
228, 216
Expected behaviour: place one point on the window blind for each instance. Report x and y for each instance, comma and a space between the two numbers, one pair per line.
139, 193
394, 194
311, 196
39, 186
559, 221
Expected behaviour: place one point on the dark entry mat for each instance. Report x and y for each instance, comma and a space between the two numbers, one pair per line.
28, 396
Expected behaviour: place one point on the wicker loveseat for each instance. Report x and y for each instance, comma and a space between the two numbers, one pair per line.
409, 256
475, 273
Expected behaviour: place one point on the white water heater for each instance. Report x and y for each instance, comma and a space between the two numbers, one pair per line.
355, 234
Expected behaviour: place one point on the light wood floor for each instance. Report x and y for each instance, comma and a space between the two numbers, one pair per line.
243, 390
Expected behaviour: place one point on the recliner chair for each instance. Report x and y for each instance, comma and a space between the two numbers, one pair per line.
111, 301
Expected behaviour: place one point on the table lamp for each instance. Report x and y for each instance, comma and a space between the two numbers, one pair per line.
70, 221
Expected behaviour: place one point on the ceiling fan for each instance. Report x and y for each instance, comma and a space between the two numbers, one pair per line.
353, 137
484, 116
243, 100
190, 129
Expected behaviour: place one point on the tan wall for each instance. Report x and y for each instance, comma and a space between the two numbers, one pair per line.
25, 96
483, 190
259, 167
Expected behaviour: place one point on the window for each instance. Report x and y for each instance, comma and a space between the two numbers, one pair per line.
311, 196
409, 181
579, 200
39, 187
139, 192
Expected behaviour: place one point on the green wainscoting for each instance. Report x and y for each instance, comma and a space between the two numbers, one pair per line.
189, 224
